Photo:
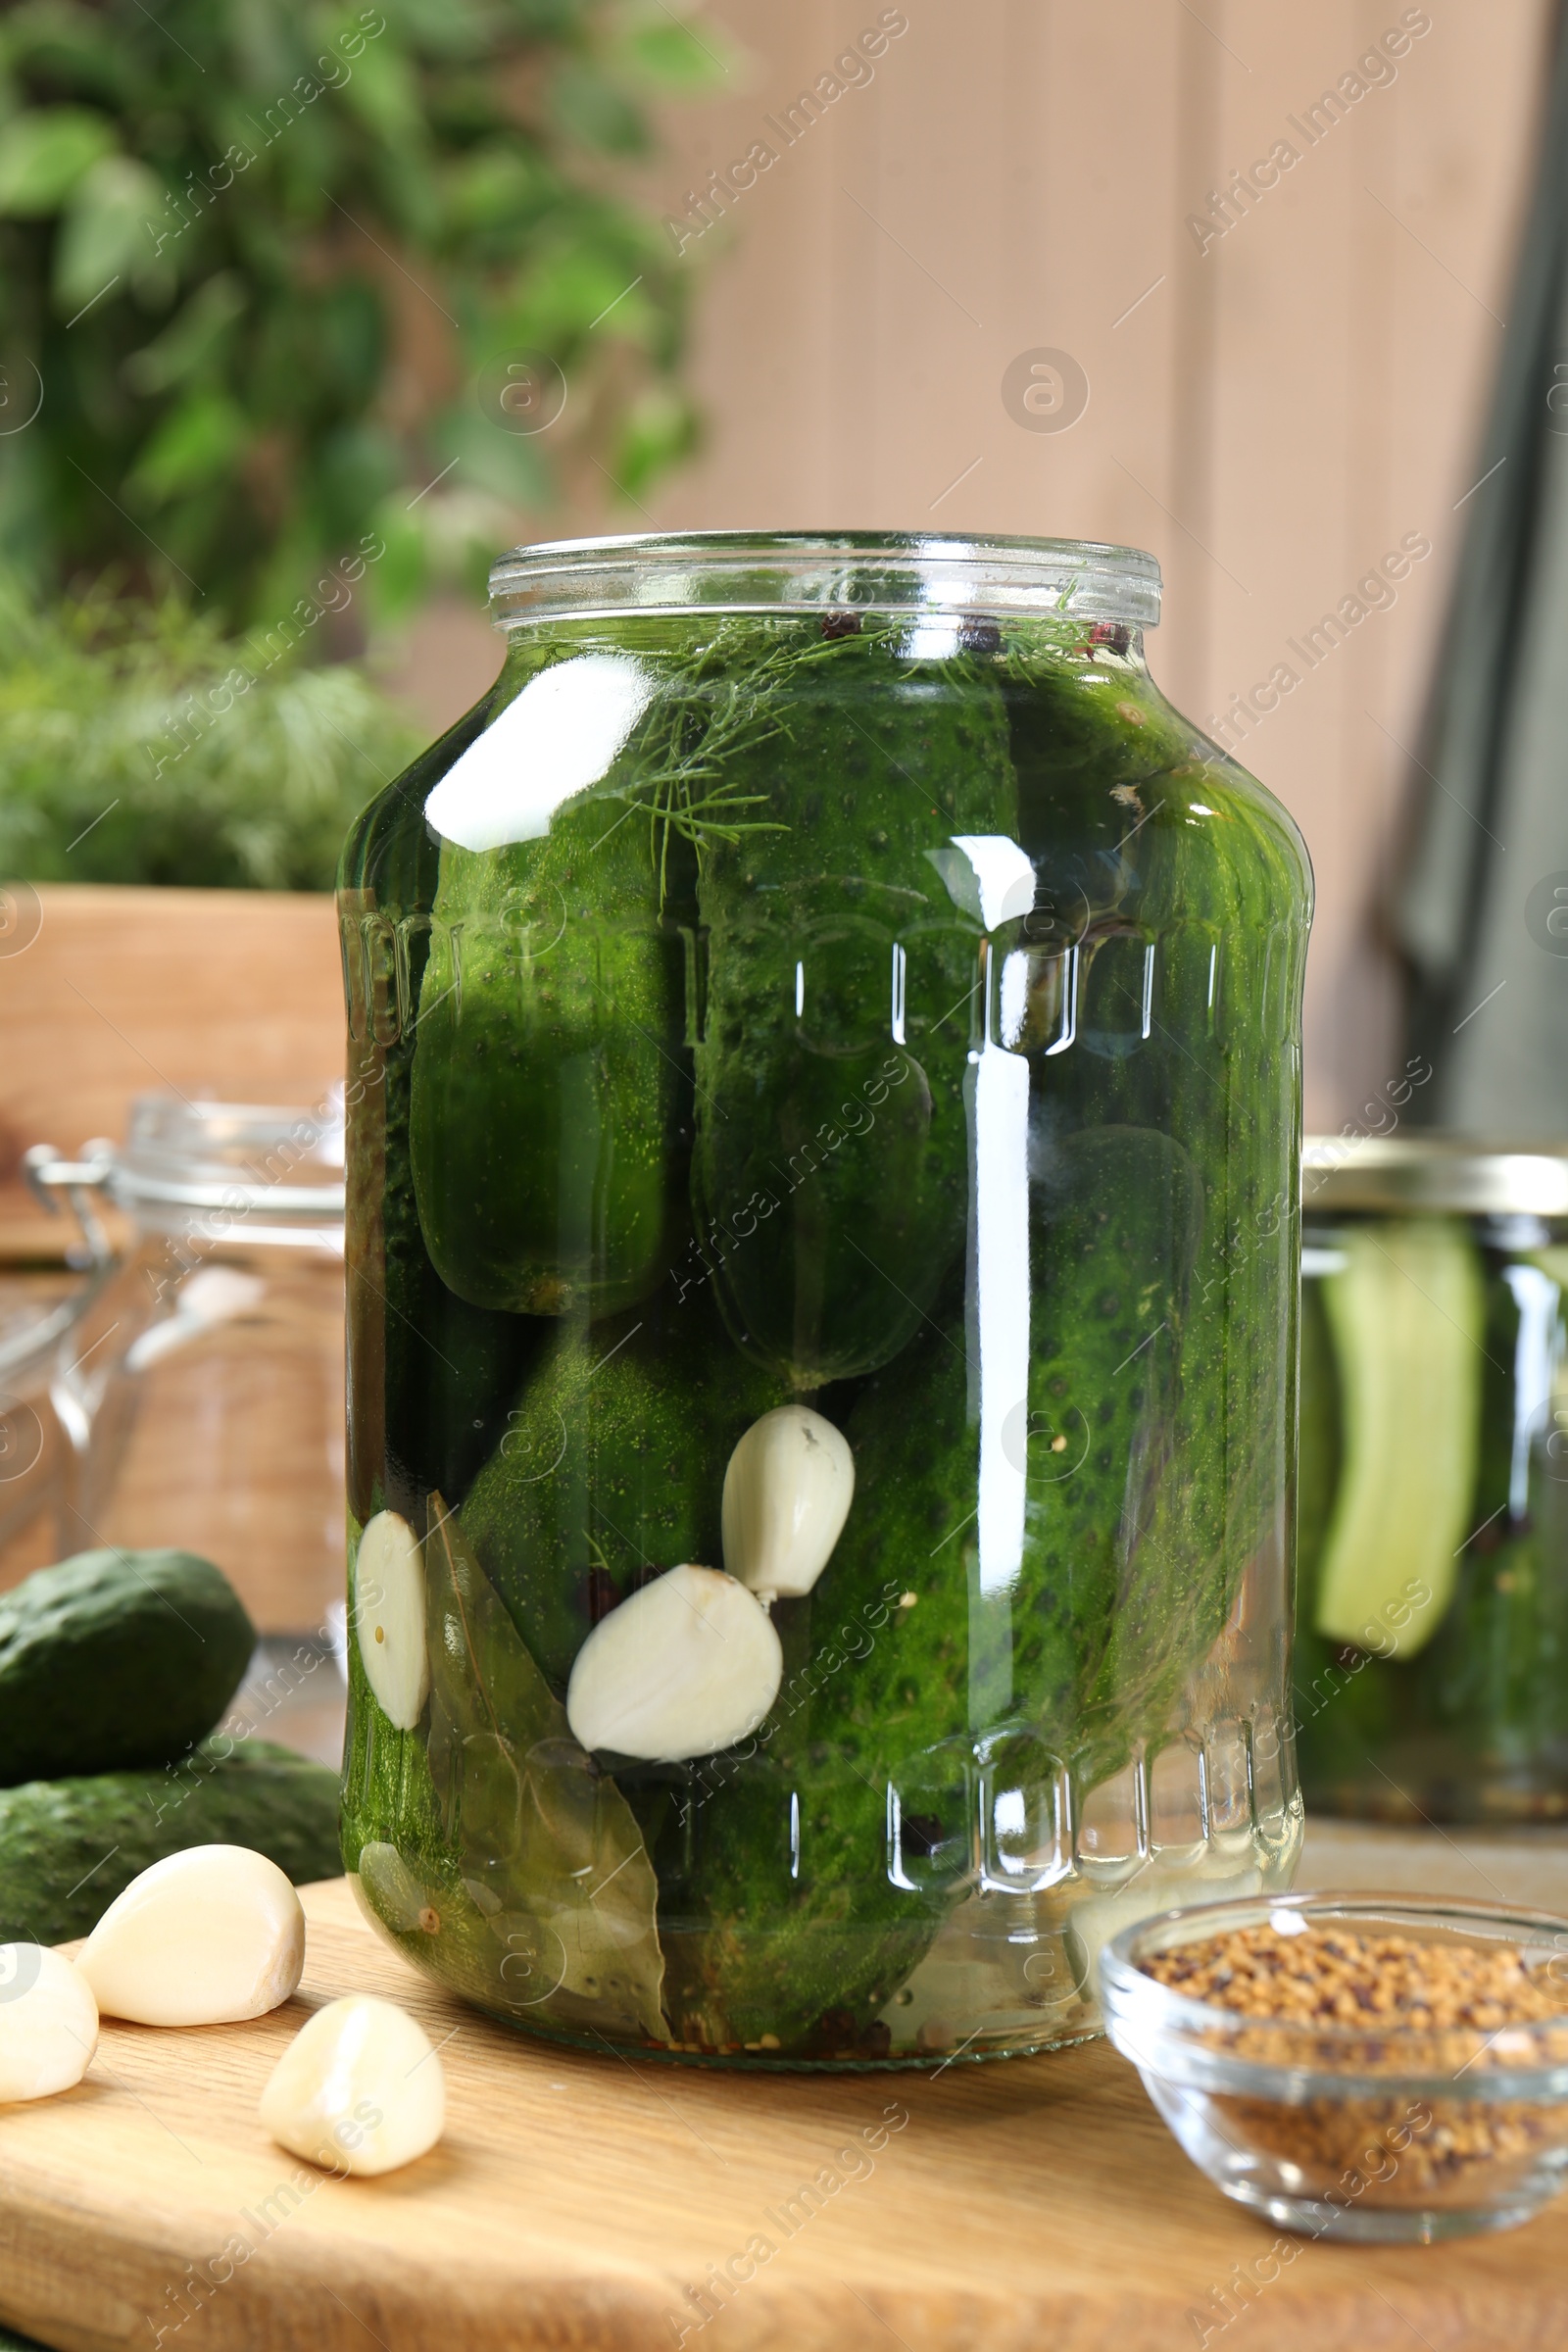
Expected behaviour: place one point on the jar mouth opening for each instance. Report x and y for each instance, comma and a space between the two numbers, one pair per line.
758, 571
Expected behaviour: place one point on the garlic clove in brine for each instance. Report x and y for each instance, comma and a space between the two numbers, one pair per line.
389, 1618
686, 1666
787, 1493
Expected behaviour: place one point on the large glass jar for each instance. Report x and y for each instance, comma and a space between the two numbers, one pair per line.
823, 1022
1432, 1636
39, 1308
200, 1388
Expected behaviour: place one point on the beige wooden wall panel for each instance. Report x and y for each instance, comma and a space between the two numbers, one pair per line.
1300, 395
1351, 369
1268, 421
852, 365
1270, 417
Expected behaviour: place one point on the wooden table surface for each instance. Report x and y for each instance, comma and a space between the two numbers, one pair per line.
1032, 2206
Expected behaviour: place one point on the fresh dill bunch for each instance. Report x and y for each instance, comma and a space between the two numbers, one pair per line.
717, 703
139, 743
721, 696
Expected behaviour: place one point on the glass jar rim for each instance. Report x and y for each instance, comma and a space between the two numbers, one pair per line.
889, 572
1464, 1175
273, 1166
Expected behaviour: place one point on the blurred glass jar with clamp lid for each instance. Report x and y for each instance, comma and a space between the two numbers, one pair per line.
43, 1294
200, 1390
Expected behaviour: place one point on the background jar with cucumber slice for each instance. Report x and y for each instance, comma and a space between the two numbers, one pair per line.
1432, 1636
818, 1455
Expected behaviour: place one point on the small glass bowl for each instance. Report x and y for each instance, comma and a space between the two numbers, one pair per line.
1353, 2130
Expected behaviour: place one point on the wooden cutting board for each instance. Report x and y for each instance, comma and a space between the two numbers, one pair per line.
1031, 2206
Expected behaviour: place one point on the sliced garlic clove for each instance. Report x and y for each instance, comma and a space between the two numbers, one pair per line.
787, 1493
688, 1665
204, 1938
48, 2023
389, 1618
358, 2089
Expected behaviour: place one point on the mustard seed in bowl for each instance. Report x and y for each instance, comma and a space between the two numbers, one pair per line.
1351, 2067
1340, 1977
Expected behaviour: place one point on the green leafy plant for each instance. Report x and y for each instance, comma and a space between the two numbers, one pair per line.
140, 743
274, 274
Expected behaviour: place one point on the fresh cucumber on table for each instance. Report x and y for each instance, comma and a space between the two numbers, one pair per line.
69, 1847
114, 1667
116, 1658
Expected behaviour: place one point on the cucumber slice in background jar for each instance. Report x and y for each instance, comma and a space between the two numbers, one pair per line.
1496, 1674
1406, 1313
1320, 1445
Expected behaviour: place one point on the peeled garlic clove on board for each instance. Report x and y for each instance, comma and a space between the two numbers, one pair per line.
389, 1618
358, 2089
787, 1493
205, 1938
688, 1665
48, 2023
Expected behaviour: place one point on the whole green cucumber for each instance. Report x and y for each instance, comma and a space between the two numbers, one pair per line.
907, 1678
449, 1370
544, 1087
783, 1922
1182, 893
843, 955
612, 1468
452, 1370
1112, 1241
116, 1658
69, 1847
431, 1377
